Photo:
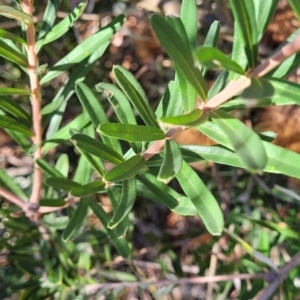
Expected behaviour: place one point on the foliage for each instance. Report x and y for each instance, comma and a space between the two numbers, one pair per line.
52, 247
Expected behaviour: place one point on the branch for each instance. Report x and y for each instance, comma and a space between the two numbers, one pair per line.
13, 198
234, 87
93, 288
267, 292
27, 6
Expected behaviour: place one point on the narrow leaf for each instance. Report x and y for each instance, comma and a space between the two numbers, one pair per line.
14, 91
213, 58
16, 110
125, 170
96, 148
96, 112
121, 107
172, 162
205, 203
132, 133
242, 140
188, 93
11, 54
211, 40
295, 5
188, 15
16, 14
67, 91
49, 170
8, 183
179, 52
61, 183
244, 16
126, 203
76, 221
159, 189
85, 49
135, 93
88, 189
10, 36
54, 33
120, 244
194, 118
49, 17
78, 123
11, 124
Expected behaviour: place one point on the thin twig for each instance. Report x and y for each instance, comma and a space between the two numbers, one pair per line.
12, 198
93, 288
234, 87
267, 292
27, 6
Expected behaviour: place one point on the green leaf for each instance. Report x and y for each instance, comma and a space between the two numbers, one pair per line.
126, 203
78, 123
96, 148
244, 16
11, 54
205, 203
63, 165
52, 106
61, 183
8, 183
136, 95
188, 93
121, 107
280, 228
170, 104
188, 15
172, 162
282, 161
264, 11
218, 85
16, 14
10, 36
84, 49
93, 107
48, 170
52, 202
49, 33
126, 169
295, 5
20, 139
194, 118
67, 91
164, 193
11, 124
217, 154
213, 58
88, 189
179, 52
49, 18
132, 133
278, 90
14, 91
76, 221
211, 39
120, 244
258, 255
214, 132
245, 142
16, 110
114, 194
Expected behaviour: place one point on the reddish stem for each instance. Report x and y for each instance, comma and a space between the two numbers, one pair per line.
27, 7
